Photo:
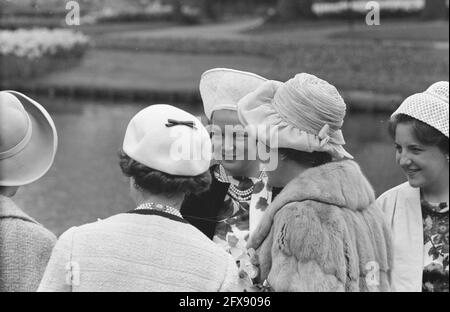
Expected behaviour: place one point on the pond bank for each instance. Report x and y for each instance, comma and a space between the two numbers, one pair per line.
357, 101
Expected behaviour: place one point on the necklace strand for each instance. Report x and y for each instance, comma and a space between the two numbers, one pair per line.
233, 191
160, 207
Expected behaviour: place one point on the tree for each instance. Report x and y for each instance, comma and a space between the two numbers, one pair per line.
435, 9
177, 12
208, 8
289, 10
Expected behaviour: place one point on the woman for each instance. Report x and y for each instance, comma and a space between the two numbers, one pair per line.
417, 210
238, 196
323, 232
166, 154
28, 143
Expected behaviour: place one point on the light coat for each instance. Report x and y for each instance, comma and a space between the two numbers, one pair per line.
25, 248
138, 253
324, 232
403, 212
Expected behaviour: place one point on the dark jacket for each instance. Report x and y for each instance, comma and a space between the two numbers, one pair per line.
202, 210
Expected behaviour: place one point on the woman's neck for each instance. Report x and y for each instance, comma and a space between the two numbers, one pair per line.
252, 171
290, 172
174, 201
438, 191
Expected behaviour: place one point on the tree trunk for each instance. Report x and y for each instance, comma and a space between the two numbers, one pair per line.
305, 8
177, 13
208, 8
290, 10
435, 9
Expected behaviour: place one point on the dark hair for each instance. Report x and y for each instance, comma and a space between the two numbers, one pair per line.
425, 134
313, 159
158, 182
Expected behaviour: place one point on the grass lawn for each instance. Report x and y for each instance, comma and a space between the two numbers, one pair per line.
351, 67
98, 30
367, 66
408, 31
159, 71
351, 64
313, 31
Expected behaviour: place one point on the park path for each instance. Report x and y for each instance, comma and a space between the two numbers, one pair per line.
232, 30
241, 30
226, 30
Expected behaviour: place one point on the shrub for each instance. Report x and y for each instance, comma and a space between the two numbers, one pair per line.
29, 53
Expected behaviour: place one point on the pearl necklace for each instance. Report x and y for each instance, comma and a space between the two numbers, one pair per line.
160, 207
233, 191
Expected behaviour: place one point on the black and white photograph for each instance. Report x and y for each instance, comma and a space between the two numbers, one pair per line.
235, 147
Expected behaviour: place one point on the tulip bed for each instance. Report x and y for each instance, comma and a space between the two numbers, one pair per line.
30, 53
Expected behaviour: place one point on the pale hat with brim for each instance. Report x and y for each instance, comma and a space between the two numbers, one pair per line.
222, 88
28, 139
168, 139
430, 106
306, 114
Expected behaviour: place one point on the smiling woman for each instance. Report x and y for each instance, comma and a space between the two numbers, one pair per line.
422, 152
418, 210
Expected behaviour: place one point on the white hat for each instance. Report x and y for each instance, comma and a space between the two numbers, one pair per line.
222, 88
170, 140
430, 107
28, 139
306, 112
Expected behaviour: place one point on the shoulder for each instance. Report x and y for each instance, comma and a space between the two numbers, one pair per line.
309, 221
404, 187
390, 197
26, 232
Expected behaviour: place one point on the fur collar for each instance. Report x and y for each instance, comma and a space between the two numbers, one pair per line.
339, 184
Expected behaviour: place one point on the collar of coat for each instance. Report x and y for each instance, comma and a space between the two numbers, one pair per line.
8, 209
340, 184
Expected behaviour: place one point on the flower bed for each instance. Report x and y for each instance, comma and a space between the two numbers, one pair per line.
30, 53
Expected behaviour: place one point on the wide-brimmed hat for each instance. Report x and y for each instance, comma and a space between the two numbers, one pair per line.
222, 88
306, 113
28, 139
170, 140
430, 106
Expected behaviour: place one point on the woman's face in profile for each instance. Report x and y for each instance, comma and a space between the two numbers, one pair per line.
422, 164
277, 176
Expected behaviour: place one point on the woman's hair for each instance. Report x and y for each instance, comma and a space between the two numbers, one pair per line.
313, 159
157, 182
425, 134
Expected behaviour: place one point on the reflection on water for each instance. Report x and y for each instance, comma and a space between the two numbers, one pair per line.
86, 183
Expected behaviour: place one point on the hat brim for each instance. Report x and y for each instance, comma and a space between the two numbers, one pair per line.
222, 88
34, 161
257, 108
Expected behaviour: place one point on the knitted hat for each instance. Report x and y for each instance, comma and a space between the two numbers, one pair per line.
170, 140
307, 113
430, 107
222, 88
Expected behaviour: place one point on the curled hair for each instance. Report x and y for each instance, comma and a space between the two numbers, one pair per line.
313, 159
157, 182
424, 133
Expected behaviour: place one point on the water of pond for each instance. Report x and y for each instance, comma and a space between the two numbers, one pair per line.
86, 183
